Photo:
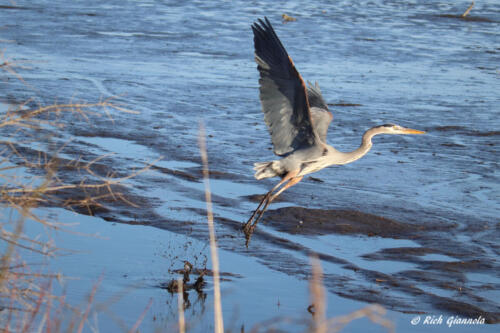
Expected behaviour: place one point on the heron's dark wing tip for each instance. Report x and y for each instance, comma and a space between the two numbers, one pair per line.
283, 92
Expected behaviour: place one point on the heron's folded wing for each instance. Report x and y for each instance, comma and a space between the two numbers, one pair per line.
282, 93
321, 117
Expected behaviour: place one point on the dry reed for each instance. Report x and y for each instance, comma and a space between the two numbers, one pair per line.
468, 10
180, 305
31, 304
376, 313
318, 299
218, 319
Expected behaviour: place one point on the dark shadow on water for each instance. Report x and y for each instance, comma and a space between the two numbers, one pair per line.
467, 18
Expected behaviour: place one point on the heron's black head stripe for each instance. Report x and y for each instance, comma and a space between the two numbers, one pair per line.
386, 125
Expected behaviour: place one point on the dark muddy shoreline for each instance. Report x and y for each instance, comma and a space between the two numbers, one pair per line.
434, 237
412, 226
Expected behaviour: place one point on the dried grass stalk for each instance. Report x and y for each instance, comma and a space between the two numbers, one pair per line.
180, 305
218, 320
468, 10
318, 299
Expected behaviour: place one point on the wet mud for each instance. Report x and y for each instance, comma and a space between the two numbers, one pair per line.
433, 236
412, 226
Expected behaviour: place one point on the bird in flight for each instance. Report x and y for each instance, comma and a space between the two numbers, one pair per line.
297, 117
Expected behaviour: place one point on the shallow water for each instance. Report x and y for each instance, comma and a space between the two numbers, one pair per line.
427, 221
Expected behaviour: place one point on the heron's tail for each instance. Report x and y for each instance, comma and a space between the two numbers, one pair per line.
268, 169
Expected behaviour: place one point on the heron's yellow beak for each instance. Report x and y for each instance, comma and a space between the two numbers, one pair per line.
412, 131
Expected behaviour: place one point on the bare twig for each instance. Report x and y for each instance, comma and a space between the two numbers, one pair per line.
8, 66
106, 183
141, 317
23, 124
28, 118
89, 305
468, 10
33, 314
373, 312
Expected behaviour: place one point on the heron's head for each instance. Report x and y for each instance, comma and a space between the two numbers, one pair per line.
396, 129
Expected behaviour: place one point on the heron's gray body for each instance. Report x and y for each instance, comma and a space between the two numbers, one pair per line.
297, 117
314, 158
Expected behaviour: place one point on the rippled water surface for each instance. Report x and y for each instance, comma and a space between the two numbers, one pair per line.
412, 226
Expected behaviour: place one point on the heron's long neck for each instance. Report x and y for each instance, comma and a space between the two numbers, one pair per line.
366, 145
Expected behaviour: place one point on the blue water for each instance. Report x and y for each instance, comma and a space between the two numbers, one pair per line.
177, 63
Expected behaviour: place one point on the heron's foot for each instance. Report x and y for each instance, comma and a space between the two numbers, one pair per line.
248, 228
248, 235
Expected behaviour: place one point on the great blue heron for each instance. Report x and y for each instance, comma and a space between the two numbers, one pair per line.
297, 117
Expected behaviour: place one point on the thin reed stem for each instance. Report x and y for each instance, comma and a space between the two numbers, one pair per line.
318, 298
141, 317
180, 305
218, 320
468, 10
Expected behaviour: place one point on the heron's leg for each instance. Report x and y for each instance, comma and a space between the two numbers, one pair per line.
246, 227
292, 182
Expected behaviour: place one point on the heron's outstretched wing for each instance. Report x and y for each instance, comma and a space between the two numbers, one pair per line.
282, 93
314, 96
321, 117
